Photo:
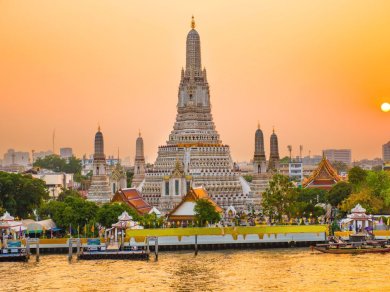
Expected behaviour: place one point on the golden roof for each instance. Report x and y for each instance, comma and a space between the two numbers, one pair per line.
324, 173
192, 196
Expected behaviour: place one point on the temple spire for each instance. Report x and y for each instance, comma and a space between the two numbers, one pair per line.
193, 59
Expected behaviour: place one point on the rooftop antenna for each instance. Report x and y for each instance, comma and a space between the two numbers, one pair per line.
54, 136
289, 147
300, 151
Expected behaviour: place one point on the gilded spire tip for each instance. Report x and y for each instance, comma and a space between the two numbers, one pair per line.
98, 127
139, 133
193, 22
258, 125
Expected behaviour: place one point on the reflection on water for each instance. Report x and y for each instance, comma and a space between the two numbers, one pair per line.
231, 270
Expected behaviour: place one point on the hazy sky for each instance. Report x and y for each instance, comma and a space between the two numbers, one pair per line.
316, 70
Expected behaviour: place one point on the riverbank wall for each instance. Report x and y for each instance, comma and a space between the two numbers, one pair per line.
209, 238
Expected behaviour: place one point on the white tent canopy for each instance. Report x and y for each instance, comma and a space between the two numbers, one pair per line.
125, 217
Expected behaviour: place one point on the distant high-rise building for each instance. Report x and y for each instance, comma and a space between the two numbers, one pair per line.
139, 162
12, 157
273, 163
386, 152
259, 160
66, 152
311, 160
41, 154
99, 191
341, 155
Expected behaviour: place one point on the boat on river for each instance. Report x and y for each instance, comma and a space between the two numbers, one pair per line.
362, 241
357, 244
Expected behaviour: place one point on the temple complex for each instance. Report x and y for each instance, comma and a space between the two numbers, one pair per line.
323, 177
194, 154
139, 162
99, 191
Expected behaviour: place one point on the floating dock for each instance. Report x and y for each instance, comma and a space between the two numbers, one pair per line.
95, 250
15, 252
14, 257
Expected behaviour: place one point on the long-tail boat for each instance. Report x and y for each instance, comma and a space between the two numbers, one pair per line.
353, 247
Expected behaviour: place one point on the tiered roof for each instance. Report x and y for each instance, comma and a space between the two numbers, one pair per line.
323, 177
133, 198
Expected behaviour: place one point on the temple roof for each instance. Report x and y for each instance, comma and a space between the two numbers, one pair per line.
133, 198
323, 177
185, 209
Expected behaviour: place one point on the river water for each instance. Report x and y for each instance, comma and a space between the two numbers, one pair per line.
228, 270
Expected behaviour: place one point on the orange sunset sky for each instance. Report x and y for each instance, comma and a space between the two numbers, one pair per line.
316, 70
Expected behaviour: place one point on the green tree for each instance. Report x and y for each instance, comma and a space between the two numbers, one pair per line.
21, 194
378, 182
312, 195
129, 176
73, 165
357, 176
52, 162
280, 198
108, 213
73, 211
285, 159
66, 193
364, 197
307, 200
205, 212
340, 166
339, 192
58, 164
248, 177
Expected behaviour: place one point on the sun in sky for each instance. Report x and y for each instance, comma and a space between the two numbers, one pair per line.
385, 107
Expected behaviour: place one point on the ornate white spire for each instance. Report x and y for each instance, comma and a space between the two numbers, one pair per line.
193, 59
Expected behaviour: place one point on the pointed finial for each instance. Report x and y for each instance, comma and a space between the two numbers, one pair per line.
258, 125
193, 22
98, 127
273, 129
139, 133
